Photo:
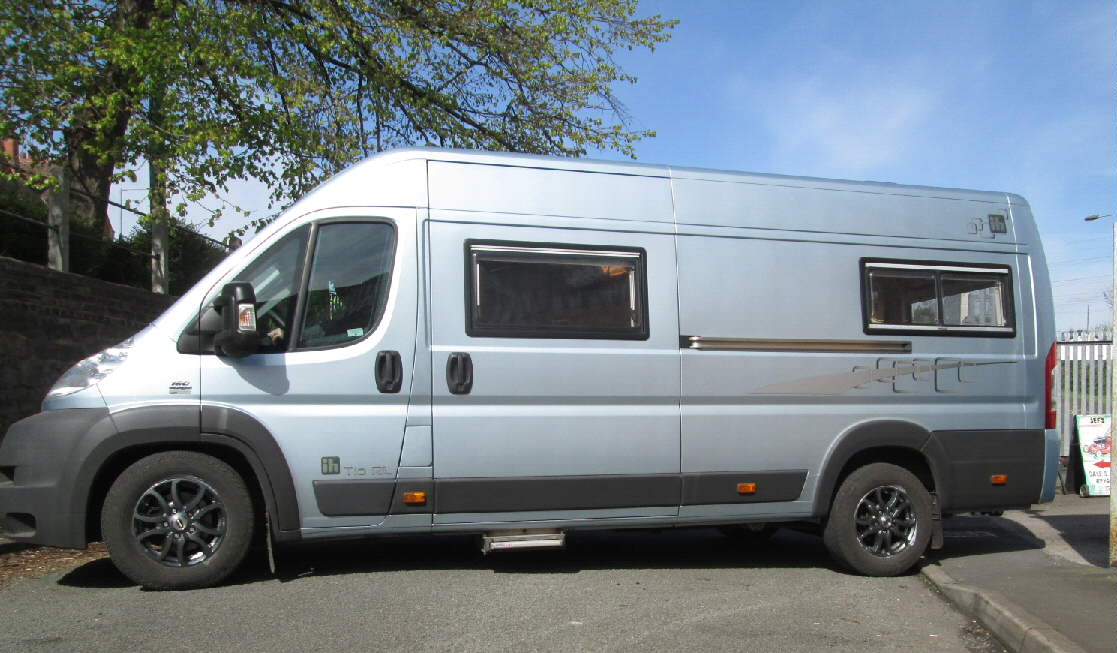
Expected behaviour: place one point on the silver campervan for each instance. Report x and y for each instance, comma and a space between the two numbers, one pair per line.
517, 346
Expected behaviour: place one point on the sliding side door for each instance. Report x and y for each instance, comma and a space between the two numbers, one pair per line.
555, 359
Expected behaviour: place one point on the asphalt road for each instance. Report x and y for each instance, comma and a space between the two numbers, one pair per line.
608, 591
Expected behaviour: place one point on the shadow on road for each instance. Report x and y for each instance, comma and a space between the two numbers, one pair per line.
697, 548
692, 548
1086, 534
14, 547
99, 573
684, 548
976, 535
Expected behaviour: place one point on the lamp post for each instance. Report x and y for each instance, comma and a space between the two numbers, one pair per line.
1112, 417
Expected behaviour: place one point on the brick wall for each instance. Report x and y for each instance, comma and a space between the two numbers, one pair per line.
50, 320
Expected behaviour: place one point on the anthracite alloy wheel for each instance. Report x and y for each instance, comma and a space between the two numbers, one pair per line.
885, 521
180, 521
880, 520
177, 520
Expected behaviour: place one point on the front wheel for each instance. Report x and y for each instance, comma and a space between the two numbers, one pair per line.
880, 521
177, 520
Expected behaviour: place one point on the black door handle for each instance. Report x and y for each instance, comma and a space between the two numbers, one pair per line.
459, 373
389, 371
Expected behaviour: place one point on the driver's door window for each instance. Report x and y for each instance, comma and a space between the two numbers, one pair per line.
275, 276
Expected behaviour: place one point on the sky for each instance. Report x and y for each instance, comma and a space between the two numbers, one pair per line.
1002, 95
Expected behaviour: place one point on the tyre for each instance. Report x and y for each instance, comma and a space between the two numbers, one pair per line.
880, 521
177, 520
748, 533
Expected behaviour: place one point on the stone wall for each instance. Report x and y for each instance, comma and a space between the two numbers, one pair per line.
50, 320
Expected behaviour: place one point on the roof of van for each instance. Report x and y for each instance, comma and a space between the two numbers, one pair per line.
679, 172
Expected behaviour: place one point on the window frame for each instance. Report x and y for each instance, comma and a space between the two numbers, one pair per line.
191, 342
304, 282
472, 329
937, 269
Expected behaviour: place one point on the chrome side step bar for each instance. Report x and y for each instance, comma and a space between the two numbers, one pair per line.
507, 541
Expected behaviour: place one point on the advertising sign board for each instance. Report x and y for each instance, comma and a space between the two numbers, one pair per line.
1095, 443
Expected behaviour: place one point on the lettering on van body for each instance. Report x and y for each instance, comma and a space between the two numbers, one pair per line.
332, 465
378, 470
179, 388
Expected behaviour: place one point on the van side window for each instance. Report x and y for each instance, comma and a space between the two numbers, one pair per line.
275, 277
961, 299
348, 285
555, 291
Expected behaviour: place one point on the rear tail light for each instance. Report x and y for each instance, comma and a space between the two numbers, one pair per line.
1049, 385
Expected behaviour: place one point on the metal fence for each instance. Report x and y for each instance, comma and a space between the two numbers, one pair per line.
1082, 384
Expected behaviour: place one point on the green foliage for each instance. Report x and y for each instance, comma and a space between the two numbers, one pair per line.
27, 241
122, 261
191, 257
290, 91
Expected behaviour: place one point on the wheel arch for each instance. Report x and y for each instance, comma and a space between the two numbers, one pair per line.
233, 437
899, 442
238, 457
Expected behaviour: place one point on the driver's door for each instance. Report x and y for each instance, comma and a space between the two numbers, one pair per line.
331, 296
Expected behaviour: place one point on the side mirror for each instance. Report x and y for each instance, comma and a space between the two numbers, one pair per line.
237, 306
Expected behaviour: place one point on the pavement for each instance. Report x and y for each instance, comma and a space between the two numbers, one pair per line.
1037, 579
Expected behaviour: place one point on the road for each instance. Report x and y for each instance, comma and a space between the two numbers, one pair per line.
608, 591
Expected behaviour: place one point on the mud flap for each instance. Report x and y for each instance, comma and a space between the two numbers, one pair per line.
936, 524
270, 544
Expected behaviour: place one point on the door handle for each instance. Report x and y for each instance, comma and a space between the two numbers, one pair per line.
459, 373
389, 372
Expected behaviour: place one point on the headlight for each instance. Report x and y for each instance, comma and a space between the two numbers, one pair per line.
91, 370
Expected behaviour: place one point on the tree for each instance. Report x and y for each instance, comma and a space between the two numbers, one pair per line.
290, 91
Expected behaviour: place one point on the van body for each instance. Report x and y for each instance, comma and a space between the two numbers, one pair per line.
446, 341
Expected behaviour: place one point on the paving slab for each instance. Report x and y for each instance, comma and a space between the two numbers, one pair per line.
1048, 562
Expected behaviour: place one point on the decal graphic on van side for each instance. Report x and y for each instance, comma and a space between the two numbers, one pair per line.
860, 377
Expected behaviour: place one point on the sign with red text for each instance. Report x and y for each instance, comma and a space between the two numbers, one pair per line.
1095, 442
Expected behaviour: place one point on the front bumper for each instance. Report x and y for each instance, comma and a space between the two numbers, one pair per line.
38, 459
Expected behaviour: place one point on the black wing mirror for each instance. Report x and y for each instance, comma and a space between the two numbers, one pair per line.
237, 305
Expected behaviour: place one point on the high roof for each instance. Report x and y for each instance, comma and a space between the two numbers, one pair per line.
682, 172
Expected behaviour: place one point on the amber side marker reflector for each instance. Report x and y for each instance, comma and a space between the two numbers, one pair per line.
415, 498
998, 479
746, 488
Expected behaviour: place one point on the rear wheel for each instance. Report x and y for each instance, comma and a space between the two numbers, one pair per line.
880, 520
177, 520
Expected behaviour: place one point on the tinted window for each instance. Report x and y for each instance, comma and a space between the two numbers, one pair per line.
556, 292
945, 297
903, 297
973, 299
348, 285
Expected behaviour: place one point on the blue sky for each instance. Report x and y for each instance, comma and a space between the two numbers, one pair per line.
1011, 96
994, 95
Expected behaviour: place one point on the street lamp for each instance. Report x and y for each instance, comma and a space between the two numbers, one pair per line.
1113, 386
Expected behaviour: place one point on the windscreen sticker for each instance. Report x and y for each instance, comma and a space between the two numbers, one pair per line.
355, 333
